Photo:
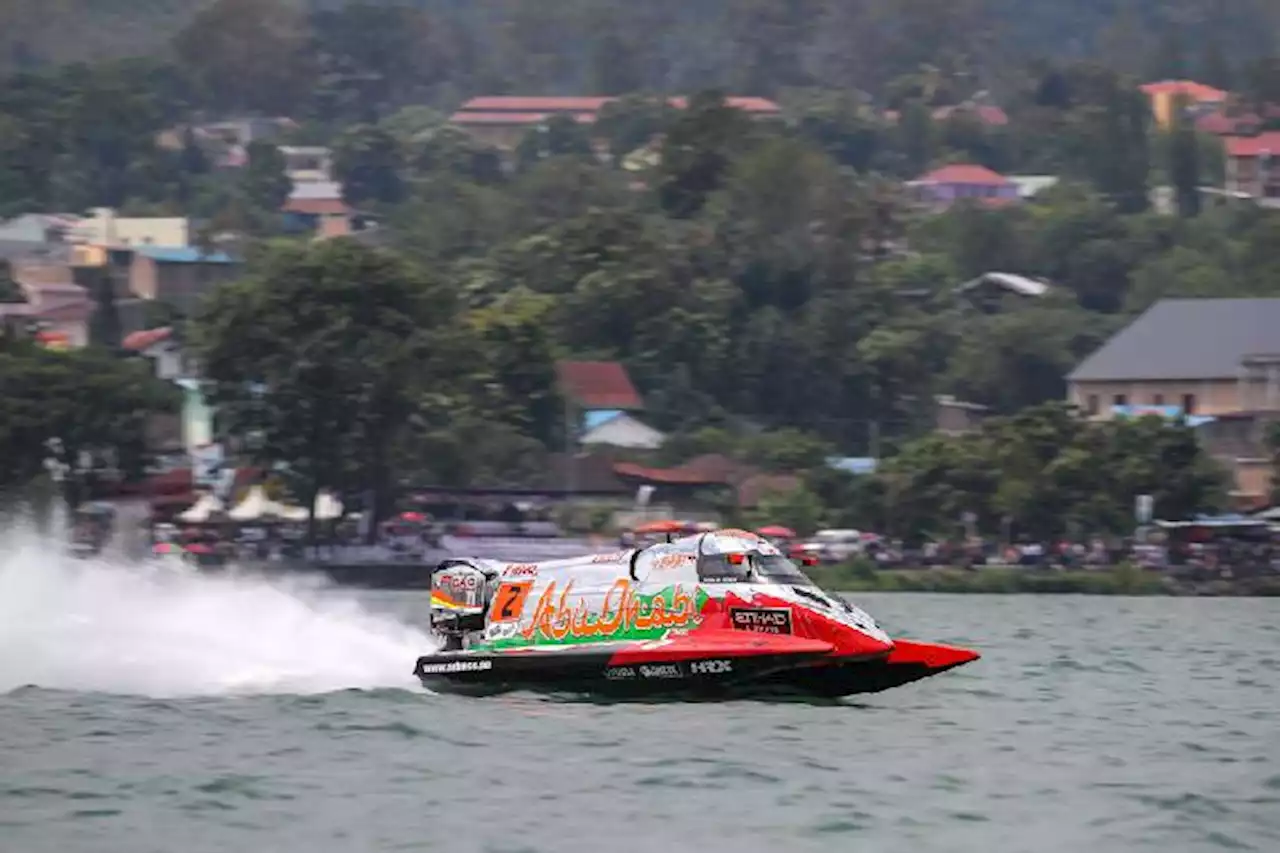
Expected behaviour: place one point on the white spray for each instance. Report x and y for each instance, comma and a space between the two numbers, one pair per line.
94, 626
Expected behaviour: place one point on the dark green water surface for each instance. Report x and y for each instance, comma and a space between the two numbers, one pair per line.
1091, 724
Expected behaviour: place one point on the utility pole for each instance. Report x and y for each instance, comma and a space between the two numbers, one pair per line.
570, 449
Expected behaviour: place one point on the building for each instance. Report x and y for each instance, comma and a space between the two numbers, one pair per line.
597, 386
180, 277
943, 187
619, 429
308, 164
1165, 94
988, 114
318, 208
1214, 361
1252, 169
1205, 356
501, 121
161, 348
989, 289
1030, 186
103, 227
957, 417
57, 309
688, 484
602, 403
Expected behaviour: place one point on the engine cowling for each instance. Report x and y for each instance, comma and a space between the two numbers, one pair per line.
461, 591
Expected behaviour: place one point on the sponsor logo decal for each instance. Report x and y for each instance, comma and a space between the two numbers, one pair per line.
616, 673
711, 667
461, 581
663, 670
520, 570
456, 666
671, 561
500, 630
762, 620
623, 611
615, 557
738, 534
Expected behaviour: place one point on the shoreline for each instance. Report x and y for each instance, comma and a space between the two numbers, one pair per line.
1125, 579
854, 577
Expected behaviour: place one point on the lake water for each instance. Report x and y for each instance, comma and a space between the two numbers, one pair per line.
199, 715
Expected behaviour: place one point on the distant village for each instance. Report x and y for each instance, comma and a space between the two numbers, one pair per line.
1229, 388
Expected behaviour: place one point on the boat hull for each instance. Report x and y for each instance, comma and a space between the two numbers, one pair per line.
605, 672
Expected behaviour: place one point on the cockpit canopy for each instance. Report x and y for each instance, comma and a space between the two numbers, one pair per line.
736, 556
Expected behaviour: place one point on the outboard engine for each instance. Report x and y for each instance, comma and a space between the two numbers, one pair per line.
460, 594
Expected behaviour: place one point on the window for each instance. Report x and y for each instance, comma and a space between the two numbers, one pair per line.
1120, 400
1157, 399
1188, 404
1091, 404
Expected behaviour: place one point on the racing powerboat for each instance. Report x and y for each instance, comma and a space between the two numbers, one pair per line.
717, 614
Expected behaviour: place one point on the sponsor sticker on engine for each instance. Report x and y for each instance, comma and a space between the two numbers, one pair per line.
711, 667
520, 570
661, 670
456, 666
461, 581
618, 673
762, 620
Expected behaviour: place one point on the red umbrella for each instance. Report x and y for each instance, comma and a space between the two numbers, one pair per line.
412, 516
199, 548
777, 531
663, 526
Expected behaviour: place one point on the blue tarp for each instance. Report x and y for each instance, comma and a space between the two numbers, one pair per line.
853, 464
593, 419
1170, 413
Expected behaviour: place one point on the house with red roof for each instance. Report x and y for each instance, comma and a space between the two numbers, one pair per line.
1252, 168
502, 120
1165, 94
605, 402
943, 187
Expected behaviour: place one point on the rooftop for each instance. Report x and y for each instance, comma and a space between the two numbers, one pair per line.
1253, 146
1186, 339
597, 385
1193, 90
963, 173
146, 339
182, 255
519, 109
500, 118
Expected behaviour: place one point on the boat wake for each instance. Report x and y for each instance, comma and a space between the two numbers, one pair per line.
95, 625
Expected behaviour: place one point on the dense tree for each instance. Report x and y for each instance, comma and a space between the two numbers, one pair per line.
266, 186
1046, 473
91, 404
319, 352
368, 160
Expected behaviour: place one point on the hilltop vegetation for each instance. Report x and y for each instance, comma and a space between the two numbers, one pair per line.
767, 284
751, 45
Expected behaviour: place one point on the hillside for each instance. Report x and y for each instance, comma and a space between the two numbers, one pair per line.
758, 44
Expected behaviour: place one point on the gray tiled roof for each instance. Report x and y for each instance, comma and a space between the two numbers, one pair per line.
1187, 339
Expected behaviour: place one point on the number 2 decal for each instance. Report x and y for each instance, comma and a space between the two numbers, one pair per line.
509, 601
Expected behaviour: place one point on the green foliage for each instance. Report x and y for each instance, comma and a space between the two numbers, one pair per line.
318, 352
95, 404
1048, 474
266, 186
767, 284
367, 160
